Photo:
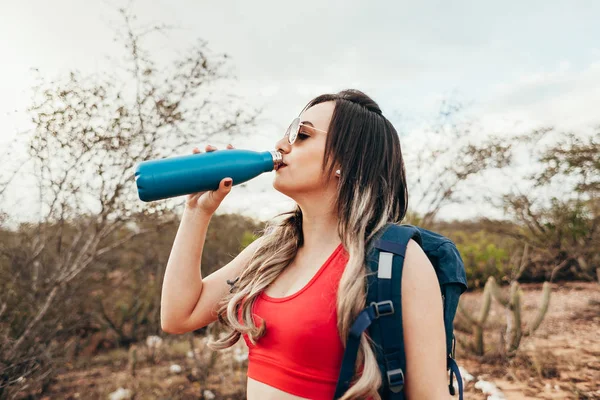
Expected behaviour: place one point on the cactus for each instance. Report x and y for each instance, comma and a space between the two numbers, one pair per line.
477, 324
514, 323
513, 320
132, 360
497, 294
546, 289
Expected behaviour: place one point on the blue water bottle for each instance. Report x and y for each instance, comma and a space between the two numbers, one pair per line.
176, 176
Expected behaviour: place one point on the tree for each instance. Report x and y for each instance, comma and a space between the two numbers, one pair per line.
562, 230
90, 133
445, 157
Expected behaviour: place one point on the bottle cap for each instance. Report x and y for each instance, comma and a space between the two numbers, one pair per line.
277, 159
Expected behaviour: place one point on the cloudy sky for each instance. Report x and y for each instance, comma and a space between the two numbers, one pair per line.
518, 64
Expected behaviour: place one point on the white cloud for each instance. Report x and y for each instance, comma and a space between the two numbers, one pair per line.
524, 64
565, 97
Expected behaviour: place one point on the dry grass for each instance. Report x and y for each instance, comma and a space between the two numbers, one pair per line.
560, 361
97, 377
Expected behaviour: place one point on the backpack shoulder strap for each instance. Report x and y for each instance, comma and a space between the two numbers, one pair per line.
384, 299
385, 286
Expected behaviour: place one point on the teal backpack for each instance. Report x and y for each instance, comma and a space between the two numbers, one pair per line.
383, 315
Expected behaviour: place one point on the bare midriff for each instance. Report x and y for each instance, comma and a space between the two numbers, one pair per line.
261, 391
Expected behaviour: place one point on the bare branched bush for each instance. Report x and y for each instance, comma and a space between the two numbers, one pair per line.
561, 229
441, 167
89, 134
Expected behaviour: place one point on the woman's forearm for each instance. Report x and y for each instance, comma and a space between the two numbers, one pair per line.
182, 283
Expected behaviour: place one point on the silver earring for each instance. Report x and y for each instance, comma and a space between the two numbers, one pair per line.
337, 172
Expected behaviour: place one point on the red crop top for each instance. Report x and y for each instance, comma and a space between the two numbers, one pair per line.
301, 352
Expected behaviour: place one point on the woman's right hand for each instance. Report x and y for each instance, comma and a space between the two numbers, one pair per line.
208, 201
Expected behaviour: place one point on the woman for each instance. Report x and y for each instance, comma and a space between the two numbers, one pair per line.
297, 289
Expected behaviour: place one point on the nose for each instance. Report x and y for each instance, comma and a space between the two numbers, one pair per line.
283, 146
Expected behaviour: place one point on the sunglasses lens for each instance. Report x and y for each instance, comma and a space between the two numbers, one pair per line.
292, 131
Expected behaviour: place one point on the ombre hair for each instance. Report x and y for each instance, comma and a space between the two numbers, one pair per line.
371, 193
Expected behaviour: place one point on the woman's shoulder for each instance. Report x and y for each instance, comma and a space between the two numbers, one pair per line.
418, 270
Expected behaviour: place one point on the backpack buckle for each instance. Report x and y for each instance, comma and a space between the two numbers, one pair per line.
396, 380
383, 308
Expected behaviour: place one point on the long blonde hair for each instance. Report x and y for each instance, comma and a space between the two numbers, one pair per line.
371, 192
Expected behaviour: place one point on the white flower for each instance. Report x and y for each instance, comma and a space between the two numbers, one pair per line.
491, 389
175, 369
120, 394
131, 225
208, 395
467, 377
190, 354
239, 355
153, 341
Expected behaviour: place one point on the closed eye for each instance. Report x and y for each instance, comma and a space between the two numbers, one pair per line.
302, 136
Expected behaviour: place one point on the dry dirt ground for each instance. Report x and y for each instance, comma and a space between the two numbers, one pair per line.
562, 358
560, 361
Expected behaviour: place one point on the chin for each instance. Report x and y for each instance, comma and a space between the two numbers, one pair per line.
286, 186
294, 189
281, 187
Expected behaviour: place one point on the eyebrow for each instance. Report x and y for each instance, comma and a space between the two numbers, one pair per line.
312, 126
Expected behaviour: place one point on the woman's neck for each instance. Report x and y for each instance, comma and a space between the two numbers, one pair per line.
320, 230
